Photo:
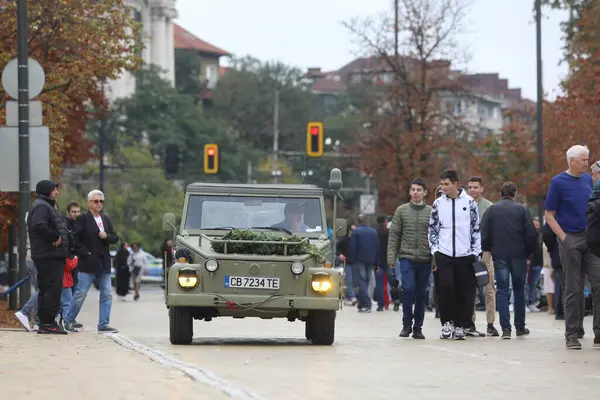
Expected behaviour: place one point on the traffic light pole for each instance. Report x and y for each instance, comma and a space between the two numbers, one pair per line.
276, 136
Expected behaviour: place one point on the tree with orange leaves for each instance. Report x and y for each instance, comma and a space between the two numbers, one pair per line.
411, 129
80, 44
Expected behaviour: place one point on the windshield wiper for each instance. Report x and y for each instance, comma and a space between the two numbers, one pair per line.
273, 228
220, 228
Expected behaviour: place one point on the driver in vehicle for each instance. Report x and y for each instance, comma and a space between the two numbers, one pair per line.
293, 213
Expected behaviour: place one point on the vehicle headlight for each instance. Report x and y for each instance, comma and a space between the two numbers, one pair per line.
297, 268
321, 283
211, 265
187, 279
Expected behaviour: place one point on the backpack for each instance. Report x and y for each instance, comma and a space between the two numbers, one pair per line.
593, 226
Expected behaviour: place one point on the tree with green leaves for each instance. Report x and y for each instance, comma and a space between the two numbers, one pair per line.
164, 116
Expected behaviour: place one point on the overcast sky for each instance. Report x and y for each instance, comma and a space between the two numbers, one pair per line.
308, 33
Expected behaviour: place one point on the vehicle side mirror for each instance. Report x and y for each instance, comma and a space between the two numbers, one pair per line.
168, 224
341, 226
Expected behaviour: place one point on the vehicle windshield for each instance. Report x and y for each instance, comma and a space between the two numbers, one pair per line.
295, 214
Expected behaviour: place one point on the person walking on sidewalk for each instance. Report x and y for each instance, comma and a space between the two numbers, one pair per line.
455, 243
364, 256
30, 308
381, 285
408, 243
566, 208
475, 188
507, 231
50, 243
93, 234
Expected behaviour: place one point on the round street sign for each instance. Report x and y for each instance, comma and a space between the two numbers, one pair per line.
10, 78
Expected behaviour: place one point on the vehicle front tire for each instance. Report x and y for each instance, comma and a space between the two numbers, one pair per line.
321, 326
181, 327
307, 329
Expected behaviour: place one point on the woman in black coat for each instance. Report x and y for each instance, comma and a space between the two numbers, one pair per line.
122, 271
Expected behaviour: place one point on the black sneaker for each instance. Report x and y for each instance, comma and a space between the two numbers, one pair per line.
406, 331
559, 317
597, 342
580, 333
77, 325
492, 331
396, 307
573, 343
522, 333
51, 329
107, 329
379, 308
472, 331
506, 333
418, 334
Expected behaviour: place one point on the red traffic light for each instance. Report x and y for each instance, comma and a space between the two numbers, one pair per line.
211, 151
314, 130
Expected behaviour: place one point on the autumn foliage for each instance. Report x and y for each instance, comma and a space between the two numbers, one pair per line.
80, 44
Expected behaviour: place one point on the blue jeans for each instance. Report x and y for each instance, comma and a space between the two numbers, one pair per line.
505, 269
380, 286
66, 301
349, 282
30, 308
415, 280
84, 282
535, 272
362, 274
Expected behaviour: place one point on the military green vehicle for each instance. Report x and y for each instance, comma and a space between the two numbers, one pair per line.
254, 251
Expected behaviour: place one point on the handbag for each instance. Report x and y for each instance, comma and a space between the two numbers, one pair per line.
481, 273
396, 289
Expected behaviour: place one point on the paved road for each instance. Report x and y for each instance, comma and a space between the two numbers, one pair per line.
271, 359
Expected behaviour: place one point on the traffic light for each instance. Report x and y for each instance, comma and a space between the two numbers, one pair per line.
172, 159
314, 139
211, 158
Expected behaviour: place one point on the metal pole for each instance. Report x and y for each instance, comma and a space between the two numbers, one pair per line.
101, 155
396, 29
13, 270
24, 173
276, 136
333, 236
249, 172
540, 104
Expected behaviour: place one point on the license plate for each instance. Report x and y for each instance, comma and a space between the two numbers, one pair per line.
251, 282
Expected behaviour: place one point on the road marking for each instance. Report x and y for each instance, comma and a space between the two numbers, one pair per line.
472, 355
195, 373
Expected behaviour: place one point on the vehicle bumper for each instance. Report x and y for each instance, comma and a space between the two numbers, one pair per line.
285, 302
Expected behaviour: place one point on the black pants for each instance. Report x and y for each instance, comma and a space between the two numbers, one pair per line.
456, 284
50, 280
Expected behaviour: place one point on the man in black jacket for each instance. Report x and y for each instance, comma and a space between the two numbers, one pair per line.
507, 231
93, 234
49, 249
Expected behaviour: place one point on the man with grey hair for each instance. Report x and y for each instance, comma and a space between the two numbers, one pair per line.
566, 208
93, 233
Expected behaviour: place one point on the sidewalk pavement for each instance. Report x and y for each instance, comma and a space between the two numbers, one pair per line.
87, 365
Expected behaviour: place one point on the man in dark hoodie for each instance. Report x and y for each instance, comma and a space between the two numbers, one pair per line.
50, 243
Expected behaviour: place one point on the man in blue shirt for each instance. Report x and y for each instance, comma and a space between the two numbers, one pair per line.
363, 256
566, 207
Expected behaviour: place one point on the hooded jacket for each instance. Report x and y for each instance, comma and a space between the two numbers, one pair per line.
45, 225
454, 226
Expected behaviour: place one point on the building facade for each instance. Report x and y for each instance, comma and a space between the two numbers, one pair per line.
157, 19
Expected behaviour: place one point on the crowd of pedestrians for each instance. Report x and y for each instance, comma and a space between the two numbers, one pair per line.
433, 252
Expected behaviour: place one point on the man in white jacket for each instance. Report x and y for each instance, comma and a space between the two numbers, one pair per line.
455, 242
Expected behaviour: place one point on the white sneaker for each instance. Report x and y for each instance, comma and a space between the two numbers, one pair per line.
447, 331
459, 334
533, 309
24, 320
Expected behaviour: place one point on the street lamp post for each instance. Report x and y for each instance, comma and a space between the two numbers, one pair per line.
540, 104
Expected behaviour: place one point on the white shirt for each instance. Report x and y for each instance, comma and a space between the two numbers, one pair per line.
99, 222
